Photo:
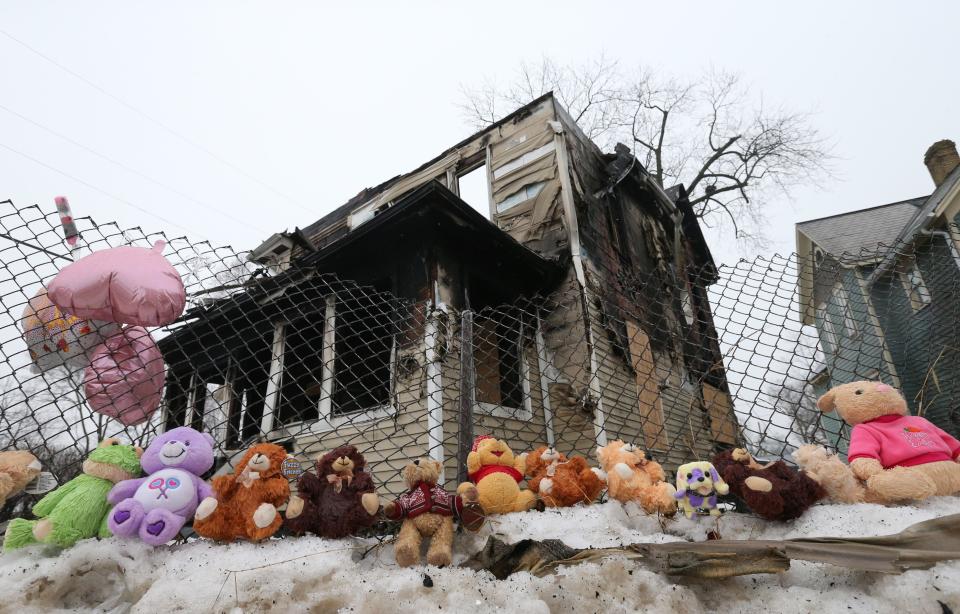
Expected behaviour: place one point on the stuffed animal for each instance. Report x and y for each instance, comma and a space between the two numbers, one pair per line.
895, 456
78, 509
17, 469
245, 502
338, 500
562, 482
427, 510
496, 473
631, 476
698, 485
835, 476
774, 491
156, 507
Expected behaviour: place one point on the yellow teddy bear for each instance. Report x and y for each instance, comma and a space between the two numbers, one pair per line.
496, 473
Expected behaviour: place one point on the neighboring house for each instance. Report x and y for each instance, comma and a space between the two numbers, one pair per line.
880, 285
407, 323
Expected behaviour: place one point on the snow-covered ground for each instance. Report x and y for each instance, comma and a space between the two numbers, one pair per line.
317, 575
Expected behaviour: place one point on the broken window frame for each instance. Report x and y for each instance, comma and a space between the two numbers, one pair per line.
327, 418
461, 172
499, 410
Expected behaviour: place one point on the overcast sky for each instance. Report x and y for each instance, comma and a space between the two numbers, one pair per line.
312, 102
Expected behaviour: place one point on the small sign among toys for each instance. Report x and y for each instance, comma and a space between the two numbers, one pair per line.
43, 483
291, 468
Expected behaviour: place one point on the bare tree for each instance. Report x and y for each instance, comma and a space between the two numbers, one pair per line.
724, 145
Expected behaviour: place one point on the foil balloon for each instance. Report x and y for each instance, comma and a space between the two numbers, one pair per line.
129, 285
125, 378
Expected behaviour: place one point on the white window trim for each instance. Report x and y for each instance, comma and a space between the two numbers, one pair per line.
502, 411
850, 328
909, 285
326, 421
830, 333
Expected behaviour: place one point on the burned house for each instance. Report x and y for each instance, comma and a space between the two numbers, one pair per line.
406, 323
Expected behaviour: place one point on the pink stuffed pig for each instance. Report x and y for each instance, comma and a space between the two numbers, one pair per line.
125, 376
129, 285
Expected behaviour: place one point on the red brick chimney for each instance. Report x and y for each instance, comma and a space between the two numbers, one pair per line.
941, 158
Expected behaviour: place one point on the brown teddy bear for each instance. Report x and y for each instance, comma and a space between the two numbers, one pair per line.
893, 456
774, 491
427, 510
631, 476
497, 474
17, 469
562, 482
245, 502
336, 502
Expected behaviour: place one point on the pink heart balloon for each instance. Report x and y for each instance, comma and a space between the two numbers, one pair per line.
125, 376
130, 285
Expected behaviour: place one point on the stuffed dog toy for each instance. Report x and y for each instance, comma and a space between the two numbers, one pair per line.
698, 485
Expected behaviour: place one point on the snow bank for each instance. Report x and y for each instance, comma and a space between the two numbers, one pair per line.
317, 575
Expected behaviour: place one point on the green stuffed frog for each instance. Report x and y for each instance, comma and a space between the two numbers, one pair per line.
78, 509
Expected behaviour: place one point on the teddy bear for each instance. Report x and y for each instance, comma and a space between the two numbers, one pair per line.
156, 507
338, 500
631, 476
496, 473
17, 469
698, 485
894, 456
427, 510
245, 502
78, 509
774, 491
562, 482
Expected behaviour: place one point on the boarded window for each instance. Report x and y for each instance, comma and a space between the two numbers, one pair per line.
496, 356
723, 428
648, 391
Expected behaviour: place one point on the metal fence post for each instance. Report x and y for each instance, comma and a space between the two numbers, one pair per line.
467, 394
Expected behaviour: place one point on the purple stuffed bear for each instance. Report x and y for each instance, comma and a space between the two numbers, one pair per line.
158, 505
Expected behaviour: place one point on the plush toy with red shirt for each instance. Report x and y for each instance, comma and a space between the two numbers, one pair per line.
497, 474
893, 455
427, 511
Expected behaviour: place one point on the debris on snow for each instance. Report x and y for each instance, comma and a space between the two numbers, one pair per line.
321, 575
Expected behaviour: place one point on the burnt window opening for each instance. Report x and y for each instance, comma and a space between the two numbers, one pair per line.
301, 384
364, 351
498, 360
473, 188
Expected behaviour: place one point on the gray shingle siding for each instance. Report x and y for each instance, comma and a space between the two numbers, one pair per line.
924, 343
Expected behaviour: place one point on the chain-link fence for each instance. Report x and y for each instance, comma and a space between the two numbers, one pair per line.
313, 361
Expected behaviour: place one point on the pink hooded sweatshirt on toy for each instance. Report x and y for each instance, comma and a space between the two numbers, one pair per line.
902, 441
